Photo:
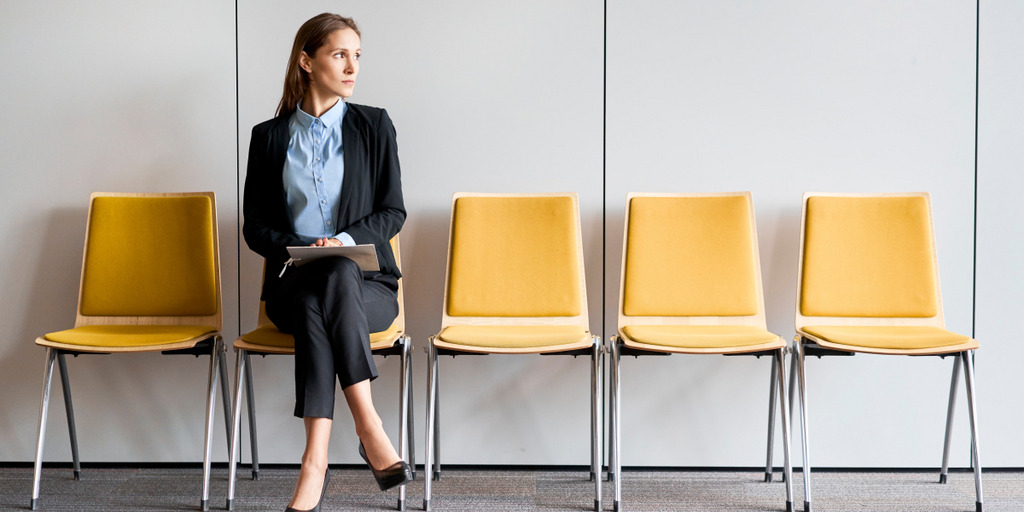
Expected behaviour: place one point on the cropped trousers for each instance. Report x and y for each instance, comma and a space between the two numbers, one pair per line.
330, 308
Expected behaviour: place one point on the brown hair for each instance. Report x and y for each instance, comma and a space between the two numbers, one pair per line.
310, 37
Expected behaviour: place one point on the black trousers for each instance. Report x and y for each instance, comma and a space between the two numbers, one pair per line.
330, 309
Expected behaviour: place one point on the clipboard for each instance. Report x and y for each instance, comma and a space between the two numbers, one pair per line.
364, 254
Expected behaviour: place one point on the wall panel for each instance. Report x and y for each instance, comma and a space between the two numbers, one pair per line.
99, 96
780, 98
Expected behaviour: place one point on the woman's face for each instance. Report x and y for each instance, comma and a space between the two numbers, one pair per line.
332, 71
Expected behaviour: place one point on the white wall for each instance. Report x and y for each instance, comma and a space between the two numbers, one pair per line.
1000, 296
106, 96
772, 97
780, 98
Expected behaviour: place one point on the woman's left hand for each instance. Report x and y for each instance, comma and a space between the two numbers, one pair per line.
327, 242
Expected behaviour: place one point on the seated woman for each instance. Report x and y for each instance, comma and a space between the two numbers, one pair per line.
325, 172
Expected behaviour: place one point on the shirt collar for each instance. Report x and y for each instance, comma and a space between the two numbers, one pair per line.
329, 118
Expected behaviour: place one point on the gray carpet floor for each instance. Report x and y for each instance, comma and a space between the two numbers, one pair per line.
170, 489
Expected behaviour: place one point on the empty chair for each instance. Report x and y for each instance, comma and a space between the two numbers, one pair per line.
150, 283
869, 282
514, 285
691, 284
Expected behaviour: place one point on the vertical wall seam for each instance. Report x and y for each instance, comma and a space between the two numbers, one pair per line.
604, 171
977, 67
238, 187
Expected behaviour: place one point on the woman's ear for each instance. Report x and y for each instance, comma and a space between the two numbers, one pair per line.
305, 62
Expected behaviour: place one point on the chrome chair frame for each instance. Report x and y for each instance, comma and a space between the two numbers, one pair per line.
433, 441
804, 347
243, 370
218, 370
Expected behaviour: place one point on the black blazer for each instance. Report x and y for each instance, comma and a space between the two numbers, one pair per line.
372, 209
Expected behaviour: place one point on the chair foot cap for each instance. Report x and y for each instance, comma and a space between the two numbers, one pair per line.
204, 505
789, 506
401, 505
426, 505
230, 505
78, 475
768, 477
437, 475
591, 476
32, 505
255, 475
807, 506
597, 505
611, 476
978, 505
616, 506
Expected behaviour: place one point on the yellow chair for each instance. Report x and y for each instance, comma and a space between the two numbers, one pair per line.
150, 282
691, 284
268, 340
514, 285
869, 283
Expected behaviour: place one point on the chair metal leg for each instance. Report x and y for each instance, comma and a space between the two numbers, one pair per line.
431, 406
410, 424
949, 420
211, 392
69, 408
225, 392
612, 427
236, 419
250, 398
595, 420
437, 419
968, 362
779, 366
44, 404
403, 413
803, 424
772, 390
616, 421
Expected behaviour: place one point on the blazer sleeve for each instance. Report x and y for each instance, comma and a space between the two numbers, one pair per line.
265, 223
388, 215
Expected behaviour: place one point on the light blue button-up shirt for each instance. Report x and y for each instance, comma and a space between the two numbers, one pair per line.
313, 171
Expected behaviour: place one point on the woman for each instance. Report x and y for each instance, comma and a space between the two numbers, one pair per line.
325, 172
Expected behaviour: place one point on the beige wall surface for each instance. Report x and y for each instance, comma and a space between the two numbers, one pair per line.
777, 98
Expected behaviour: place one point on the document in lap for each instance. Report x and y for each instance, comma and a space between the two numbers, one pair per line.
364, 254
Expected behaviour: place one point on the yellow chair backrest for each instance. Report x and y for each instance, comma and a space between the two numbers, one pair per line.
150, 256
690, 256
515, 256
868, 256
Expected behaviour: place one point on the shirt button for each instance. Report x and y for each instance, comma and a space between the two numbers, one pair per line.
323, 201
318, 159
319, 179
318, 141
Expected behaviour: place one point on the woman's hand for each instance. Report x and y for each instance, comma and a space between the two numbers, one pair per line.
327, 242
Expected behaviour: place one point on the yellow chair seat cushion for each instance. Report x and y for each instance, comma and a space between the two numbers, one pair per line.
270, 336
513, 336
111, 336
699, 336
891, 337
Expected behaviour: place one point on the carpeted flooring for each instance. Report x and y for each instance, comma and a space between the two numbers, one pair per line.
506, 490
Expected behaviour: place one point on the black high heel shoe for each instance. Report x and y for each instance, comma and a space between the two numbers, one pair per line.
392, 476
327, 478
